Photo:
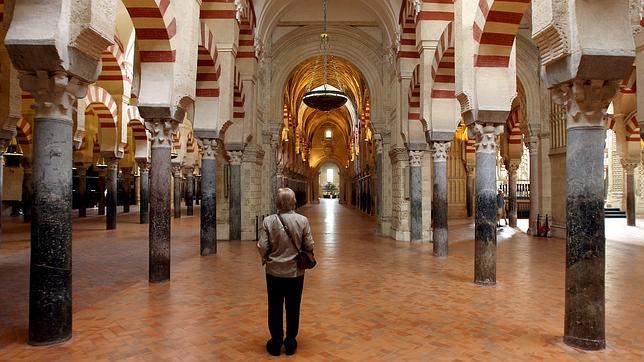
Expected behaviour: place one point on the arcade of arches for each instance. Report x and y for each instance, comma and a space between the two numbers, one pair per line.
155, 134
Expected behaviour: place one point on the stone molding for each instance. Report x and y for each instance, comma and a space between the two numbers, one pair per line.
379, 146
586, 101
398, 154
209, 148
161, 131
54, 94
416, 158
440, 151
253, 154
485, 136
236, 157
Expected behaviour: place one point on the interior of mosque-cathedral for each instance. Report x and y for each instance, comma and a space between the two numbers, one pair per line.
173, 108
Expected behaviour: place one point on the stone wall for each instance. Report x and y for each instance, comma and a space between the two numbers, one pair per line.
399, 157
251, 191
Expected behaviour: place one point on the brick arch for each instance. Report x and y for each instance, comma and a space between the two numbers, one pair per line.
495, 29
239, 99
155, 27
103, 105
443, 69
114, 75
208, 67
413, 114
407, 24
515, 136
632, 128
24, 134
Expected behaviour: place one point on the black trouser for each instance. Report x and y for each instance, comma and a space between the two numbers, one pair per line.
279, 291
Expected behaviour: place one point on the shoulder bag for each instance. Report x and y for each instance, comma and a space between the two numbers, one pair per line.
304, 258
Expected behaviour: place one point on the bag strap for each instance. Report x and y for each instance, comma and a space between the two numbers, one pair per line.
288, 232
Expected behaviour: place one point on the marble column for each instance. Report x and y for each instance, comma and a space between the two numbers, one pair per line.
208, 233
485, 135
235, 194
440, 152
416, 195
144, 191
535, 196
27, 190
50, 274
513, 167
176, 170
127, 185
631, 211
82, 191
198, 189
101, 190
111, 186
470, 171
586, 103
190, 190
160, 174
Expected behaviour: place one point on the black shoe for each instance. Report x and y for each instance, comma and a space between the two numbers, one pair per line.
290, 345
273, 347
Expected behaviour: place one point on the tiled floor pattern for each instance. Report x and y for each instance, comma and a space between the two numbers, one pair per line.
369, 299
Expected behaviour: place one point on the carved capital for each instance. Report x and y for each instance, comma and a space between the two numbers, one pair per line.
209, 148
189, 171
416, 158
586, 101
161, 131
470, 170
485, 136
440, 150
379, 146
533, 145
54, 93
629, 168
112, 163
236, 157
513, 166
176, 170
144, 165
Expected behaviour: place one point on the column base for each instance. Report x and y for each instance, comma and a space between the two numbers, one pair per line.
49, 343
585, 344
485, 283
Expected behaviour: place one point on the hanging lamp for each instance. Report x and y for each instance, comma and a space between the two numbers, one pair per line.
325, 99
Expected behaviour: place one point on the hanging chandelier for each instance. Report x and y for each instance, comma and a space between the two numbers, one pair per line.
325, 99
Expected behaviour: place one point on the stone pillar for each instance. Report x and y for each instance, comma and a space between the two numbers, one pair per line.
513, 167
176, 170
485, 223
208, 233
631, 211
27, 190
379, 182
160, 173
235, 194
197, 190
82, 191
470, 171
101, 190
144, 191
190, 190
127, 185
50, 275
586, 103
416, 195
535, 195
274, 172
111, 198
440, 151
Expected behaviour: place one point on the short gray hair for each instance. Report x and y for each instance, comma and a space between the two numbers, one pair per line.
285, 200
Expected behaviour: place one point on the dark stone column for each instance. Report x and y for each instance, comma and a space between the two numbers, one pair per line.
127, 185
82, 191
276, 176
27, 190
235, 194
208, 234
440, 151
50, 275
144, 191
631, 212
101, 190
176, 170
160, 174
416, 195
485, 224
469, 197
513, 167
190, 190
111, 185
585, 231
198, 189
533, 146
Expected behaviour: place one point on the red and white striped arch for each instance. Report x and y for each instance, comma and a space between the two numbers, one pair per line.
443, 69
155, 28
208, 67
225, 9
103, 105
629, 84
238, 99
514, 126
632, 129
190, 145
407, 23
495, 28
24, 134
139, 133
413, 114
113, 74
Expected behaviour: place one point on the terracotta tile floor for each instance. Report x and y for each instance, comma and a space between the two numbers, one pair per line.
370, 298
